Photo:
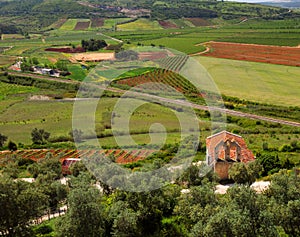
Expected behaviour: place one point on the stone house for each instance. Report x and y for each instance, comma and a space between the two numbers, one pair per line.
225, 148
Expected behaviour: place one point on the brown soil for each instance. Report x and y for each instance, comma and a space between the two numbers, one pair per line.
255, 53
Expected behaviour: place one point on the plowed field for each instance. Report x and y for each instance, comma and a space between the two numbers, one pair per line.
255, 53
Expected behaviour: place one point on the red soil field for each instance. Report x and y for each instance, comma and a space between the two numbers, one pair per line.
82, 25
167, 24
66, 50
199, 21
97, 22
121, 156
255, 53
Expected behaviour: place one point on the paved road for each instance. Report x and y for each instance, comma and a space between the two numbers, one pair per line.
172, 101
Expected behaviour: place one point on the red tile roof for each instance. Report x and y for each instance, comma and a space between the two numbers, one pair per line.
214, 140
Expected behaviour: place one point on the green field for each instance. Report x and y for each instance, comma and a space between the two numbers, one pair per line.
110, 22
261, 82
69, 24
56, 117
77, 73
183, 44
11, 89
182, 23
140, 24
6, 60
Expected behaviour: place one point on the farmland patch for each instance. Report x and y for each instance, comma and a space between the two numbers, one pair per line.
69, 24
199, 21
255, 53
140, 24
97, 22
260, 82
167, 24
82, 25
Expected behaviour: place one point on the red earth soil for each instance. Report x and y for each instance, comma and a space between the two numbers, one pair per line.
255, 53
121, 156
167, 24
199, 21
66, 50
97, 22
82, 25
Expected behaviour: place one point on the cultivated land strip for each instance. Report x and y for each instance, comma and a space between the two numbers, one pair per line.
172, 101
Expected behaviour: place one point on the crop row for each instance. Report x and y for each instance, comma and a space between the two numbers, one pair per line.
120, 155
173, 63
159, 77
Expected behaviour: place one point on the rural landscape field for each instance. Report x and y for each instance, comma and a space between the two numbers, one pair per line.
149, 118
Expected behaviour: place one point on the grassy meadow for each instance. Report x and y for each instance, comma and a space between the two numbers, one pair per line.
260, 82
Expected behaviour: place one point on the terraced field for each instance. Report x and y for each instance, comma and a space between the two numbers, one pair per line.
140, 24
120, 156
69, 24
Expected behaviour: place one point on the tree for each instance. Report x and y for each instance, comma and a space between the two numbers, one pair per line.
245, 173
85, 216
12, 146
77, 168
3, 139
123, 220
39, 136
76, 134
195, 174
20, 202
270, 162
93, 45
127, 55
238, 172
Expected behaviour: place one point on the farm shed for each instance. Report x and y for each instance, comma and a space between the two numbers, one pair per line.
225, 148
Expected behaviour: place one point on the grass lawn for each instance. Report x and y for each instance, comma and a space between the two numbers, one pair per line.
261, 82
140, 24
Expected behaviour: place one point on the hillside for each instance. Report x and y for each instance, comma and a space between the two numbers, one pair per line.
42, 13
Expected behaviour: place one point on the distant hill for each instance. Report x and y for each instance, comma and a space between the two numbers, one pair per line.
34, 15
283, 3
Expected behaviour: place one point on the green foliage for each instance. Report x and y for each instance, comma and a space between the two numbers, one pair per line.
195, 174
270, 162
20, 202
93, 45
12, 146
47, 168
39, 136
77, 168
245, 173
85, 210
3, 139
62, 65
127, 55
